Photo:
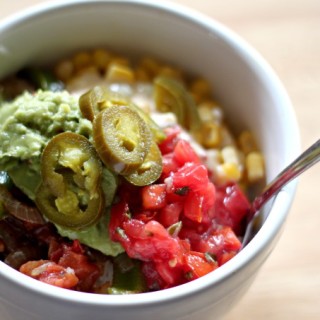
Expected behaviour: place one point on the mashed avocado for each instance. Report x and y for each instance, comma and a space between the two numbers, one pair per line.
26, 125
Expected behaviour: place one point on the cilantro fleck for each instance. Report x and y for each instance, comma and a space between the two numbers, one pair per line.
182, 191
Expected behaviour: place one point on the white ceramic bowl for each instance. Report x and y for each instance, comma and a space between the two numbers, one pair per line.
244, 83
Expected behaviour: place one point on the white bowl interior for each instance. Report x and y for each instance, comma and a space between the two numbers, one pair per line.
244, 84
239, 77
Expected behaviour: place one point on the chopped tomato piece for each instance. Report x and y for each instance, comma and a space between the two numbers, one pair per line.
145, 215
135, 230
170, 272
231, 206
150, 241
209, 194
183, 153
74, 256
230, 240
131, 195
225, 257
193, 207
194, 176
55, 250
153, 196
170, 214
168, 144
86, 272
169, 165
197, 265
214, 242
119, 214
236, 202
51, 273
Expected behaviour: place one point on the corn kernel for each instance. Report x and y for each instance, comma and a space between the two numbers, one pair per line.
196, 98
230, 155
81, 60
101, 58
227, 172
205, 112
151, 65
64, 70
232, 171
247, 142
255, 166
88, 77
213, 159
142, 75
91, 69
120, 61
217, 114
171, 72
226, 137
201, 88
119, 73
211, 135
209, 110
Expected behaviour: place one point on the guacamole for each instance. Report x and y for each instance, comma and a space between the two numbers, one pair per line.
26, 126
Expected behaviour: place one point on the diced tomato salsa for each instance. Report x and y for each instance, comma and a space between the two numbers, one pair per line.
181, 227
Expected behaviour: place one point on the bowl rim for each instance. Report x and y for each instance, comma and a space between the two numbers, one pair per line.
281, 203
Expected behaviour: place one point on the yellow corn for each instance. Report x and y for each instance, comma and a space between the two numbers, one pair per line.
171, 72
120, 61
227, 172
213, 159
230, 155
255, 167
142, 75
152, 66
217, 114
209, 110
227, 138
211, 135
205, 112
101, 58
82, 60
232, 171
119, 73
247, 142
84, 79
200, 88
64, 70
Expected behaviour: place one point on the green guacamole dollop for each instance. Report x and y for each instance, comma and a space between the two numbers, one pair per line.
26, 125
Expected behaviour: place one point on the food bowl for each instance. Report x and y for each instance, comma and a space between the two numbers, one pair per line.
243, 83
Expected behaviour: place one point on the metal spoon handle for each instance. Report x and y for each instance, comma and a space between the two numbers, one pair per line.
307, 159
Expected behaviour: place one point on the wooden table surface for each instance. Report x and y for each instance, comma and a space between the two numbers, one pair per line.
287, 34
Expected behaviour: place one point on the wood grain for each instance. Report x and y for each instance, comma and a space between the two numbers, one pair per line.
287, 34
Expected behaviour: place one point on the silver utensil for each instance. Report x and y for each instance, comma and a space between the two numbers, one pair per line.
306, 160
